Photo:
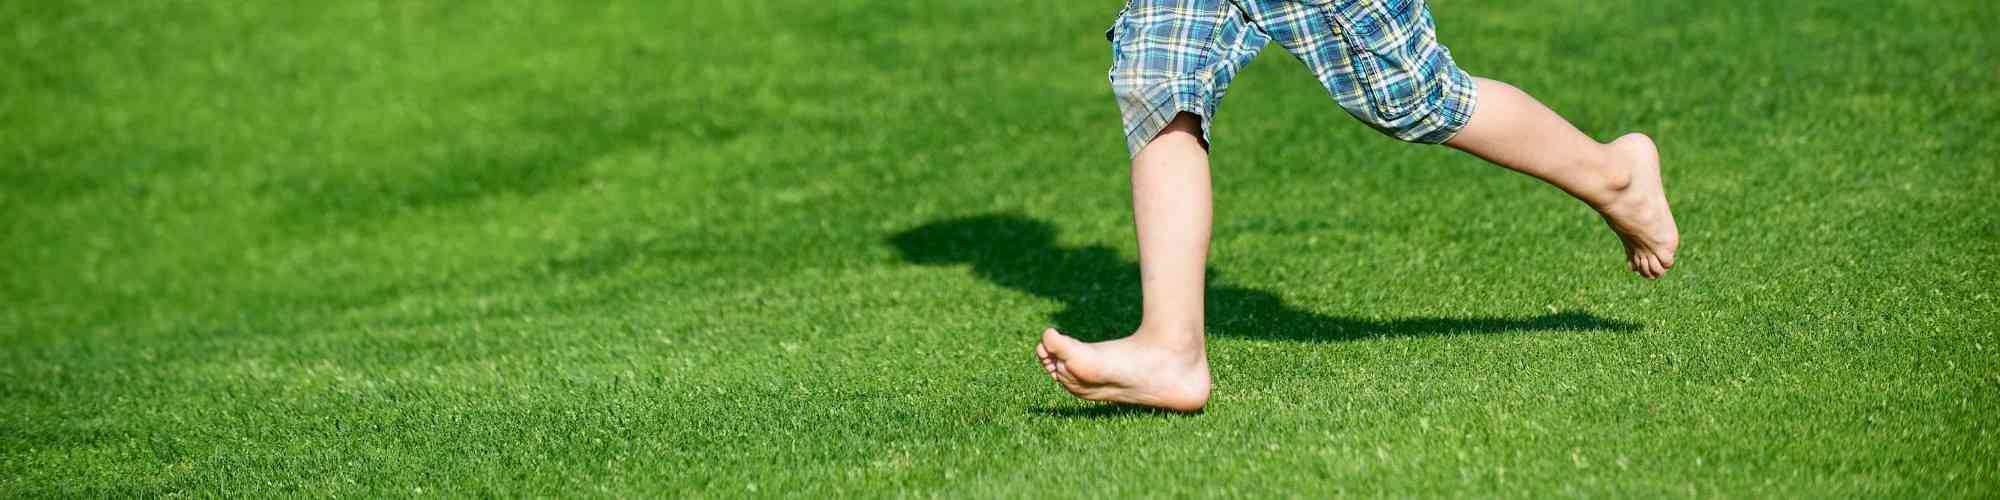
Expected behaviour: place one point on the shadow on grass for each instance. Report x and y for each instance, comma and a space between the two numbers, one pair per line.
1101, 292
1100, 289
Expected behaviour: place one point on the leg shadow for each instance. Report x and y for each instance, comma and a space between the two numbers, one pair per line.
1102, 298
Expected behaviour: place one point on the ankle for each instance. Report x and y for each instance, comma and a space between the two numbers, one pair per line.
1186, 336
1614, 176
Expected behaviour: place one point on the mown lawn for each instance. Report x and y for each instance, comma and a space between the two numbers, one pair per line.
640, 248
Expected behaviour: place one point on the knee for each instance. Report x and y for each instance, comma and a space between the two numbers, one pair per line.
1184, 123
1182, 132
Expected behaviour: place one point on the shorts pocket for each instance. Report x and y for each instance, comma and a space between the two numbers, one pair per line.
1378, 35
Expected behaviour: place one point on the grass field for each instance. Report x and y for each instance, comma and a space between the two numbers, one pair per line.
634, 248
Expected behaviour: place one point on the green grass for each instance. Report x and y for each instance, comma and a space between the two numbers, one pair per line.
803, 248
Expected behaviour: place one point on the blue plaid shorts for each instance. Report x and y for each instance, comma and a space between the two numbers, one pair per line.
1380, 59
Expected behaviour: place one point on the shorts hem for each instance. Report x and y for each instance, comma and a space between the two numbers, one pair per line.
1462, 89
1159, 114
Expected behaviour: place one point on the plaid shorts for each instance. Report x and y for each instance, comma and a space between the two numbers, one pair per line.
1380, 59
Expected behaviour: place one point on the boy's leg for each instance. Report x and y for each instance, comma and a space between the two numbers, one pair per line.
1163, 364
1620, 179
1172, 61
1381, 60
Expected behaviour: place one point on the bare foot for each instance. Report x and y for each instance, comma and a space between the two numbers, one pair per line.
1130, 370
1639, 212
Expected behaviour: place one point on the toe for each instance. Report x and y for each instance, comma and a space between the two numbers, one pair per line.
1060, 346
1063, 375
1048, 362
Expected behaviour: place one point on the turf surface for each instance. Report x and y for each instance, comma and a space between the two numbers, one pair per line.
803, 248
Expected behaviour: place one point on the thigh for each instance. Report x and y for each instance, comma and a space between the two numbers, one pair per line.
1380, 59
